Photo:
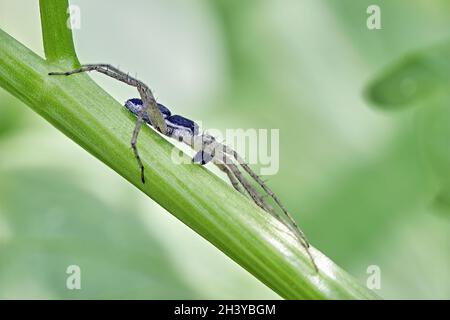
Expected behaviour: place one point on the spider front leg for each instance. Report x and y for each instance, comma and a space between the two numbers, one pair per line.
134, 137
149, 101
150, 107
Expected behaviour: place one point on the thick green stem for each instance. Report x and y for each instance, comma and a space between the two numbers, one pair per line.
93, 119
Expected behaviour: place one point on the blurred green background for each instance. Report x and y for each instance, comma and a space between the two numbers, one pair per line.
366, 175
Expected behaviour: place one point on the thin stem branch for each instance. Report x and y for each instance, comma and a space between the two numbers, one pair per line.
56, 32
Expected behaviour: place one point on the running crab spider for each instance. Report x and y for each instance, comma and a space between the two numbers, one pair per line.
148, 111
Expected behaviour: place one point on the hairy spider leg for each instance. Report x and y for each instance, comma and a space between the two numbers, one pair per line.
302, 237
231, 177
208, 145
149, 103
265, 187
211, 145
253, 193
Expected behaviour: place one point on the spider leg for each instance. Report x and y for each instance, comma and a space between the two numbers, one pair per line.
210, 150
265, 206
214, 148
134, 137
219, 154
215, 151
202, 157
106, 69
149, 103
146, 94
266, 188
252, 192
231, 177
294, 227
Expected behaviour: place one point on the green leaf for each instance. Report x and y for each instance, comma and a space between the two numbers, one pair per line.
423, 79
413, 79
434, 133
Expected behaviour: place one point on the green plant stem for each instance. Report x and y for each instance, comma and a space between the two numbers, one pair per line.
94, 120
56, 34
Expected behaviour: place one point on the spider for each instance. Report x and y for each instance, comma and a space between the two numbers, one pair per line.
156, 115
